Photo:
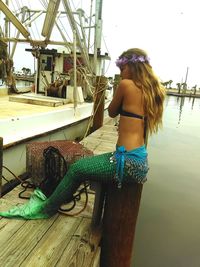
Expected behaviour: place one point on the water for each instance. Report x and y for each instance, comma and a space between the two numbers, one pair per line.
168, 226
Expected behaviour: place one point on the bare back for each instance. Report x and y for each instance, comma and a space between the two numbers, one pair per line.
131, 130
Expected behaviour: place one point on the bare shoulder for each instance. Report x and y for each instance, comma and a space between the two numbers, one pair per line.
126, 82
127, 85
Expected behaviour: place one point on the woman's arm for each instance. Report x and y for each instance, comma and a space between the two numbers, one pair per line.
116, 103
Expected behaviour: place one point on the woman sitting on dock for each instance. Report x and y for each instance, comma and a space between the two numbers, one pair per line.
139, 102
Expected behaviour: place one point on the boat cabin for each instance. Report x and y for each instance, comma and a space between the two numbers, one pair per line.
55, 72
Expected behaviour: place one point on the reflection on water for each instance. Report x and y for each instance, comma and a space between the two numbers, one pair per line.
167, 233
180, 103
181, 108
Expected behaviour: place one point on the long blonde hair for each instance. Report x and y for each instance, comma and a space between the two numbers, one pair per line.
153, 91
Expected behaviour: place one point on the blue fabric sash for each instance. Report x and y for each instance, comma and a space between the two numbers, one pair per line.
138, 155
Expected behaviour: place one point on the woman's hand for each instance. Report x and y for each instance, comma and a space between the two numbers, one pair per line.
116, 103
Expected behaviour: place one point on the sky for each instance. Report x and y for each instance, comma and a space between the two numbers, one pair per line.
167, 29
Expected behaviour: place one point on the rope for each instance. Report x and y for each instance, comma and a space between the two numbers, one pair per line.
18, 178
5, 179
76, 197
24, 184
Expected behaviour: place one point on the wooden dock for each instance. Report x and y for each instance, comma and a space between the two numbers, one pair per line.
65, 241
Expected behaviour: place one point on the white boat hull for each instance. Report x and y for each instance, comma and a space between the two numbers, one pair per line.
65, 124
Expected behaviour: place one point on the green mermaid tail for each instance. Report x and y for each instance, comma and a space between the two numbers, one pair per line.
97, 168
34, 209
41, 207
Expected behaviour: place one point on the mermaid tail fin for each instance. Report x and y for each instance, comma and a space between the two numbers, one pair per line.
34, 209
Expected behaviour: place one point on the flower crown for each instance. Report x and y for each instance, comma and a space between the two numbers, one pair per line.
135, 58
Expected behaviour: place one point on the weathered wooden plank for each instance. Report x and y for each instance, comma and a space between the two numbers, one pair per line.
90, 145
12, 198
80, 251
40, 256
110, 121
102, 136
1, 163
101, 149
108, 129
23, 241
51, 246
36, 101
99, 146
95, 141
8, 228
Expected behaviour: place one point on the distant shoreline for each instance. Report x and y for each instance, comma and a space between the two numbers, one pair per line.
189, 93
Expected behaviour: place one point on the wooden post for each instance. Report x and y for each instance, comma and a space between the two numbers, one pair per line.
116, 81
119, 222
1, 164
99, 102
98, 203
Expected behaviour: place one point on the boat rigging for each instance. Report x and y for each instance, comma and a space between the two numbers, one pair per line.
76, 30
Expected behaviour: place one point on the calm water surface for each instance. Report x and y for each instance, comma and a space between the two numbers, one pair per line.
168, 226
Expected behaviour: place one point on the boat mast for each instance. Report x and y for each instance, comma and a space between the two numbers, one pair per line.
7, 29
98, 32
90, 23
12, 18
24, 9
78, 36
50, 18
75, 74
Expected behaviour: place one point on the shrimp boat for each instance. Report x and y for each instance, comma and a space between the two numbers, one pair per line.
69, 75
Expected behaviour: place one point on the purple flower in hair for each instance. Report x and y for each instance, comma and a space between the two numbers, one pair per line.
121, 61
141, 59
135, 58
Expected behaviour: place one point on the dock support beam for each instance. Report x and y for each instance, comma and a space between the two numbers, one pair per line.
1, 164
119, 223
99, 101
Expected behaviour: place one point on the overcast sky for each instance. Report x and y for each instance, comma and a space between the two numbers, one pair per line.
167, 29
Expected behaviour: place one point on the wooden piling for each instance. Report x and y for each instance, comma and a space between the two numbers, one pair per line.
117, 79
1, 164
119, 223
99, 101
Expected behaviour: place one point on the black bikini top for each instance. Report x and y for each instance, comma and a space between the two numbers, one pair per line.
131, 114
134, 115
